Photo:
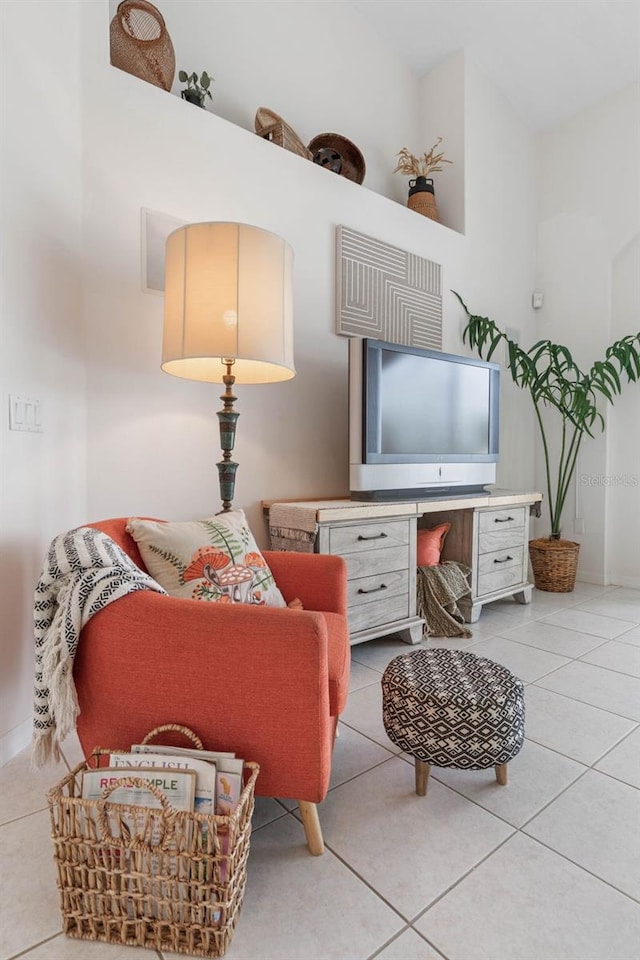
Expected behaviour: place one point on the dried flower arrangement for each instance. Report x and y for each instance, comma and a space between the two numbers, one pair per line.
421, 166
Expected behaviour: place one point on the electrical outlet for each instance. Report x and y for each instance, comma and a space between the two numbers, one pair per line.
578, 525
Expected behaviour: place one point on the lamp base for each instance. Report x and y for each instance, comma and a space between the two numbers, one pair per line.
227, 418
227, 480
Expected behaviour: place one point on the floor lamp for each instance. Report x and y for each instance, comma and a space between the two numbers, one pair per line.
228, 316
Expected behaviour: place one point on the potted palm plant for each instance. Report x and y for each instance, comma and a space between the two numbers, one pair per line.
555, 382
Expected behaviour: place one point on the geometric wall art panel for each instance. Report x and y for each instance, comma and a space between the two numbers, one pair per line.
387, 293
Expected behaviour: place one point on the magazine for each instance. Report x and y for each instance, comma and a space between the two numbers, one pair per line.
228, 785
178, 786
145, 826
204, 801
181, 751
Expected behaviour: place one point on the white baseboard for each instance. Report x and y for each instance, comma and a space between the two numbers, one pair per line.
633, 583
598, 578
610, 580
14, 741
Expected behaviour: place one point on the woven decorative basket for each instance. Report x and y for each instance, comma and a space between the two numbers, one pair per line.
273, 128
141, 45
353, 163
424, 203
554, 564
174, 882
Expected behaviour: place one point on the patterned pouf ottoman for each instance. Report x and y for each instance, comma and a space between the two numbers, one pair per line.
451, 708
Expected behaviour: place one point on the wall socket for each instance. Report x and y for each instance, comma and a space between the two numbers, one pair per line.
537, 300
25, 413
578, 525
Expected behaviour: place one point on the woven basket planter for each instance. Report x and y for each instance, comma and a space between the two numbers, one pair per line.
140, 44
554, 564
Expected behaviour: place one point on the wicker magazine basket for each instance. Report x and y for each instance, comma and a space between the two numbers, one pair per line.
153, 877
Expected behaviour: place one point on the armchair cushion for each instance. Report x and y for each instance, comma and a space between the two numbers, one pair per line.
215, 559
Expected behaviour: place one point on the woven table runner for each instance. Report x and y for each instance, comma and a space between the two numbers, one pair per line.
293, 527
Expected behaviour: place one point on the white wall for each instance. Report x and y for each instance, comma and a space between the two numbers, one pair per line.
500, 222
589, 229
43, 479
443, 105
152, 440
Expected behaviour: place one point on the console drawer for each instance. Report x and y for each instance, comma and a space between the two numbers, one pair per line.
374, 562
378, 612
378, 587
489, 582
361, 537
501, 560
500, 529
491, 520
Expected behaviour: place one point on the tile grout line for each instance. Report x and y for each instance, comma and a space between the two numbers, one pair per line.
464, 876
581, 866
34, 946
397, 937
387, 943
587, 703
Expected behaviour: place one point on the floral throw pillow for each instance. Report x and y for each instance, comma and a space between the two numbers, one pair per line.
216, 559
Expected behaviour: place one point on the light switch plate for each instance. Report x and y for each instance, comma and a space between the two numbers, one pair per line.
25, 413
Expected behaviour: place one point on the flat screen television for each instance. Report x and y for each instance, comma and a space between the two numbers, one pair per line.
421, 422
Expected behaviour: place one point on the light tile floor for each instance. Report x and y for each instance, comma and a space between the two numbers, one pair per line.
547, 868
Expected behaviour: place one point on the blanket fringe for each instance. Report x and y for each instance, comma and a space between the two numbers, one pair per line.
44, 748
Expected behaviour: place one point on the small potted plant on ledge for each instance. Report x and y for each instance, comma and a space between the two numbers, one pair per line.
421, 193
196, 89
554, 381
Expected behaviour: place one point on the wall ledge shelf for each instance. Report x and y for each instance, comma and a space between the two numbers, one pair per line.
134, 83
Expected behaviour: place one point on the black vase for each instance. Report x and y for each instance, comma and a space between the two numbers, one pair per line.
420, 184
193, 97
422, 197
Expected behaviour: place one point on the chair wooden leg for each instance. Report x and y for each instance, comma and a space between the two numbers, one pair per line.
501, 774
422, 776
312, 828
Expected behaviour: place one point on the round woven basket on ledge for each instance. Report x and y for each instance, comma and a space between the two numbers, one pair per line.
554, 564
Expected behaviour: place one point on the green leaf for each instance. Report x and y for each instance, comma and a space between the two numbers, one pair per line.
494, 345
182, 76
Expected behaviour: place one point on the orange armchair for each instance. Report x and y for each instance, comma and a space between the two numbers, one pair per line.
268, 683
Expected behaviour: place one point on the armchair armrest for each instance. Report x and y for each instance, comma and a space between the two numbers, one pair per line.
249, 679
318, 579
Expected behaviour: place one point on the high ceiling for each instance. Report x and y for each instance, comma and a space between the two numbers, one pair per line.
551, 58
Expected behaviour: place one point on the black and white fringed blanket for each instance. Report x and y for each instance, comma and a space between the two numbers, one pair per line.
84, 571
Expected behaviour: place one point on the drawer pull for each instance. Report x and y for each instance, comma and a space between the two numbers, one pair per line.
504, 559
503, 519
376, 536
382, 586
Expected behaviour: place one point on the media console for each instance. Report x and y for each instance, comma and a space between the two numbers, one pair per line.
489, 533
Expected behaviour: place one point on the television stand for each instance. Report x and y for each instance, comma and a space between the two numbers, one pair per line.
489, 533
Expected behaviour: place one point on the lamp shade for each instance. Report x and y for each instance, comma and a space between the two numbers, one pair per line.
228, 296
